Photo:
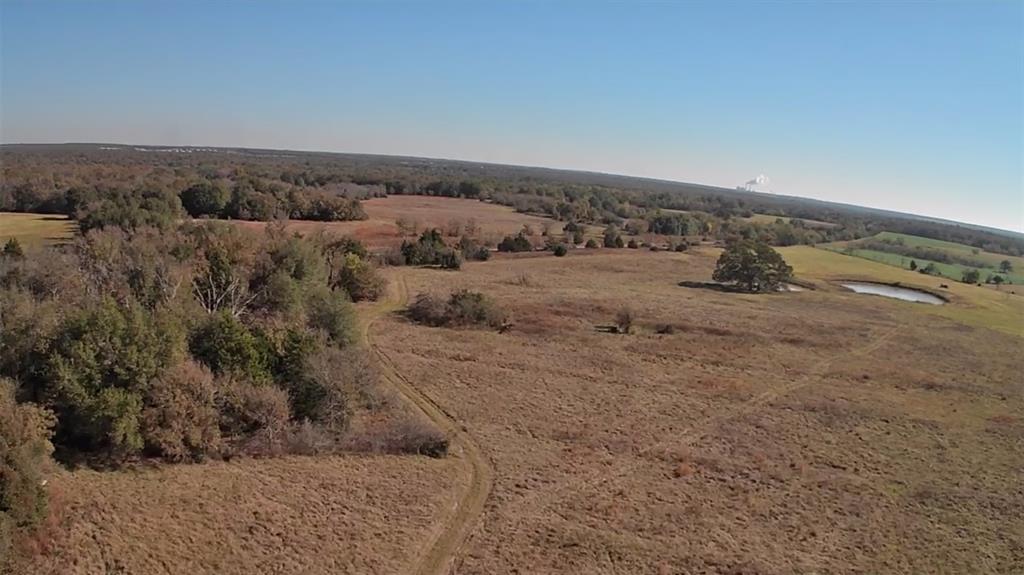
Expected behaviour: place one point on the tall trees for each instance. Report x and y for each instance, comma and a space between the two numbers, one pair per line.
205, 199
752, 266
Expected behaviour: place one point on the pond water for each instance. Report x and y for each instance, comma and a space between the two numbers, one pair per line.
905, 294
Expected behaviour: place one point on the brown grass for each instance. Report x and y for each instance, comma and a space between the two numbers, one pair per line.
381, 230
817, 431
288, 515
820, 431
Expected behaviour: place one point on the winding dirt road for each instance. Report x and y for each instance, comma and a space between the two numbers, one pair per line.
438, 553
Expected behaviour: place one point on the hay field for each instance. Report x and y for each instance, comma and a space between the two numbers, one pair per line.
821, 431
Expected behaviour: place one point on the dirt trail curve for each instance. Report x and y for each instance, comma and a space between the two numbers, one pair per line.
437, 555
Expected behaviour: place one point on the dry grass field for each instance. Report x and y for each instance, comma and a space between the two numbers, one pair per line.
36, 229
812, 432
351, 514
381, 229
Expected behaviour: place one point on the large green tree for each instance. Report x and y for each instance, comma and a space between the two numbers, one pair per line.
752, 266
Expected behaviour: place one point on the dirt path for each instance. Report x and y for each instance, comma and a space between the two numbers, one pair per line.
439, 552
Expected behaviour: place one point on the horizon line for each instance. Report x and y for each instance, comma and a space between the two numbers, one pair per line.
737, 189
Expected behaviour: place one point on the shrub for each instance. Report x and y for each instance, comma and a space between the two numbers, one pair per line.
612, 237
474, 308
227, 346
408, 435
428, 309
463, 308
577, 236
560, 250
330, 311
632, 244
624, 320
246, 408
471, 250
180, 419
522, 279
970, 276
450, 259
324, 385
12, 249
24, 453
359, 279
681, 246
424, 251
591, 244
516, 243
100, 364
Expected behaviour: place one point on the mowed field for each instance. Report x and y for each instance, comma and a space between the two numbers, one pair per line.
36, 229
999, 308
381, 229
952, 271
813, 432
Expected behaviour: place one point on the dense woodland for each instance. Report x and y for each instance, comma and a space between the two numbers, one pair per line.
122, 185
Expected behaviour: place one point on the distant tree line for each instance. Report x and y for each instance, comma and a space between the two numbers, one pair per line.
256, 184
898, 247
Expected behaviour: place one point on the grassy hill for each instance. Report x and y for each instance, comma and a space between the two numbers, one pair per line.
886, 247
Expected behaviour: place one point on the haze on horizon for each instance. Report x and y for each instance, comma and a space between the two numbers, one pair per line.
910, 107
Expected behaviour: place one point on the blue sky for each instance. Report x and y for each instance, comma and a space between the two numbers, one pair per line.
915, 107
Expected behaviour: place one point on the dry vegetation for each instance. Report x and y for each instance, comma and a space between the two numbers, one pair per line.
284, 515
819, 431
383, 229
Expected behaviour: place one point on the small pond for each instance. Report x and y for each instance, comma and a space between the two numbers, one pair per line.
905, 294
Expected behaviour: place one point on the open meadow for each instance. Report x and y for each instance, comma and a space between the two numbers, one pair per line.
806, 432
987, 263
34, 230
387, 216
820, 431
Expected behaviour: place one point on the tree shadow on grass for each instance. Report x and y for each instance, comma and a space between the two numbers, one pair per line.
712, 286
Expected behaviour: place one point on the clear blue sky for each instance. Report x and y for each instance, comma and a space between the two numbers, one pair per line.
916, 107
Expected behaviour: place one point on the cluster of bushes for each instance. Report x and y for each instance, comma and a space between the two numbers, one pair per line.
255, 199
174, 344
197, 341
517, 243
461, 308
430, 249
